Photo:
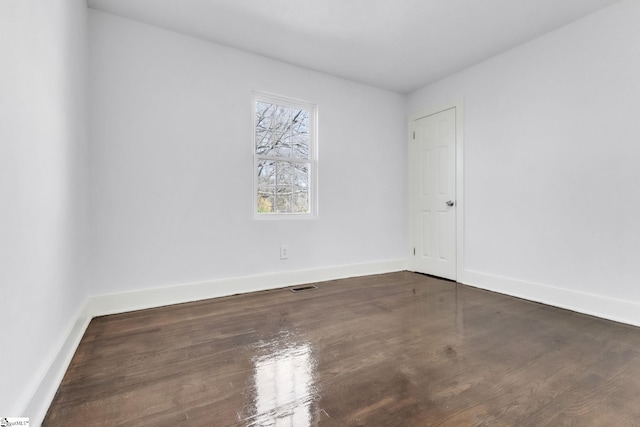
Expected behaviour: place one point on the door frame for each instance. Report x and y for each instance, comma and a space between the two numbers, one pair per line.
459, 165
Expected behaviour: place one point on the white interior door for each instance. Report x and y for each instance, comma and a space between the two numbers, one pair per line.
432, 160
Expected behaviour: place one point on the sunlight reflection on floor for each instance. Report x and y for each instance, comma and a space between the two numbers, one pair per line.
285, 390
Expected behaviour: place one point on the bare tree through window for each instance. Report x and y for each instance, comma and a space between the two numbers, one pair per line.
283, 148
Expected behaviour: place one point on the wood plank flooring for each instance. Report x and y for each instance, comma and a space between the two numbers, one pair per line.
398, 349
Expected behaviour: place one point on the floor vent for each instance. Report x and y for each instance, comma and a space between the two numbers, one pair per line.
303, 288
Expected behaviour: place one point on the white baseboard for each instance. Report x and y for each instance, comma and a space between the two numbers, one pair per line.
44, 391
157, 297
100, 305
595, 305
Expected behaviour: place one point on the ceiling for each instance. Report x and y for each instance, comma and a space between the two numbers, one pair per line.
399, 45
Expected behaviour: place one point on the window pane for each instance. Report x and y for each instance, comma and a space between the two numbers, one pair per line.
285, 173
302, 175
283, 130
300, 121
300, 146
283, 199
264, 140
266, 172
282, 119
281, 147
300, 134
264, 112
271, 144
301, 201
266, 199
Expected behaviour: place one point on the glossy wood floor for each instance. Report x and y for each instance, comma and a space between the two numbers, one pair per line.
398, 349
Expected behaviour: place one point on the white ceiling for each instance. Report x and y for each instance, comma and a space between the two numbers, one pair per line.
400, 45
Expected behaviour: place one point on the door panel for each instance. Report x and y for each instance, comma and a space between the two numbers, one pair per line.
426, 220
432, 185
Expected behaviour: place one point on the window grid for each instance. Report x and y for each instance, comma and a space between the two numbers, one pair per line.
284, 157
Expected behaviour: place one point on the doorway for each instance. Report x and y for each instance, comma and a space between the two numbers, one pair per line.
433, 193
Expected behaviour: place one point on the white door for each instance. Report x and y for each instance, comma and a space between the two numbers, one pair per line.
432, 178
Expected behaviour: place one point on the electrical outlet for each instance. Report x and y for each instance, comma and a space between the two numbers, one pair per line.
284, 252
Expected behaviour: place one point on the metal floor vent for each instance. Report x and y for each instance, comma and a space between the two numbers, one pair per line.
303, 288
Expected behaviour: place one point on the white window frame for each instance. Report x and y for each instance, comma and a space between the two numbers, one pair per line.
313, 155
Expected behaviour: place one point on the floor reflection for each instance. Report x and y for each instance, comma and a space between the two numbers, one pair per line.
285, 390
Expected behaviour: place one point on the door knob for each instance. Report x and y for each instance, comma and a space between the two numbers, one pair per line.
450, 203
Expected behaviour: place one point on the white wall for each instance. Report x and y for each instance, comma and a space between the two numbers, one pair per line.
552, 165
42, 136
171, 162
551, 157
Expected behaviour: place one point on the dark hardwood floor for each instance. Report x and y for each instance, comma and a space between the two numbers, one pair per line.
397, 349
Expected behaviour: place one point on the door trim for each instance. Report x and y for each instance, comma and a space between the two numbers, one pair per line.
459, 107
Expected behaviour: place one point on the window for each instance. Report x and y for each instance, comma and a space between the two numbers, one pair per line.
284, 157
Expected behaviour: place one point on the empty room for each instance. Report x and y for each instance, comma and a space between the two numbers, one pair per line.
319, 212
